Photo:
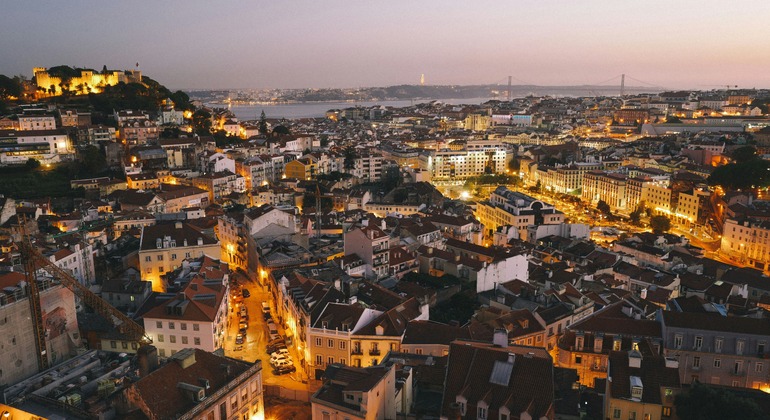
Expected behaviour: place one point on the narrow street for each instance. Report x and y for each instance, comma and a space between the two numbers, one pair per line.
257, 336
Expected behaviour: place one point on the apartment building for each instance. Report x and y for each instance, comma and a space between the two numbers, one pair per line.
462, 164
196, 384
163, 247
607, 187
564, 179
196, 315
586, 345
747, 241
513, 208
356, 394
372, 244
45, 146
220, 184
508, 381
641, 386
717, 349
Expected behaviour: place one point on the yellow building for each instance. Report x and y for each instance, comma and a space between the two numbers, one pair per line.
302, 169
163, 247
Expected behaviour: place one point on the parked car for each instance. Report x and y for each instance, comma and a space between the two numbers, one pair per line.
279, 352
272, 348
282, 370
282, 363
246, 293
279, 359
239, 339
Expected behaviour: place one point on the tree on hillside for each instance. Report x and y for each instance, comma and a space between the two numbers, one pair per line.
202, 122
744, 154
660, 224
754, 173
350, 157
705, 402
263, 123
281, 130
9, 87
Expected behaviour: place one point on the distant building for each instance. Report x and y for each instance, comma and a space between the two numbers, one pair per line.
89, 81
641, 386
356, 394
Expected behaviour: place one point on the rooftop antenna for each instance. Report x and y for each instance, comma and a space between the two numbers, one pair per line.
509, 88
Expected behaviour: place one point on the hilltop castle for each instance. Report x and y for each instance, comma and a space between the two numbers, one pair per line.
89, 80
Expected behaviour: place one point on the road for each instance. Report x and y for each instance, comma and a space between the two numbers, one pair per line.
257, 334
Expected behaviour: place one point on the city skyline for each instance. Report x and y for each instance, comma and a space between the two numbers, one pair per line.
345, 44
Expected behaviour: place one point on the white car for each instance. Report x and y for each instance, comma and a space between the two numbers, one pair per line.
282, 363
275, 357
280, 352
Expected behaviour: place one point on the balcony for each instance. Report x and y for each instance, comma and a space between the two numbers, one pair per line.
598, 368
356, 352
374, 352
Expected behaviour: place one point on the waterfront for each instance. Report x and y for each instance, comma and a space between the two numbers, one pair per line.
318, 109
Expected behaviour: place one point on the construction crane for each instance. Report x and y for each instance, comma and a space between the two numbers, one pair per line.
33, 261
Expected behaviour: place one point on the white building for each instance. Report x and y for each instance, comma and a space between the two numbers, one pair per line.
196, 316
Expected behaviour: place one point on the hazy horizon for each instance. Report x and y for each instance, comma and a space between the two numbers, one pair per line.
197, 45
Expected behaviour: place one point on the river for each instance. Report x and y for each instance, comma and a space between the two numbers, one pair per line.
318, 109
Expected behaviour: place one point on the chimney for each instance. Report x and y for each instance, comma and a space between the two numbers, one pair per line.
643, 293
147, 357
178, 225
383, 225
353, 299
430, 250
500, 338
200, 241
672, 362
511, 358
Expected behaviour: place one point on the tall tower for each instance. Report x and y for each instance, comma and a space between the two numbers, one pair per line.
622, 85
510, 94
422, 79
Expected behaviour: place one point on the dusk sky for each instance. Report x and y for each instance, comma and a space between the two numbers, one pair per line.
699, 44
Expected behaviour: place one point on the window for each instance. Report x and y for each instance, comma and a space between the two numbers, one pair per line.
330, 342
234, 402
113, 344
482, 413
159, 324
187, 255
172, 338
184, 339
171, 325
196, 327
124, 344
183, 325
342, 361
160, 257
418, 351
761, 347
698, 342
738, 367
632, 415
330, 359
718, 345
162, 352
160, 338
319, 360
578, 359
504, 416
696, 362
318, 341
758, 367
616, 413
717, 363
678, 341
666, 412
739, 347
173, 257
148, 258
343, 345
197, 341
